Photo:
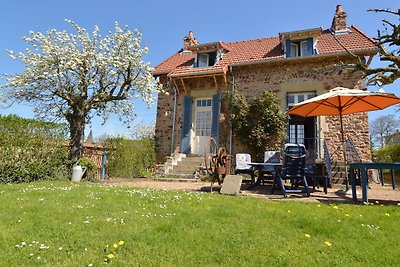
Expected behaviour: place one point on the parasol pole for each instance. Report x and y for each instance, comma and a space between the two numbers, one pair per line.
344, 149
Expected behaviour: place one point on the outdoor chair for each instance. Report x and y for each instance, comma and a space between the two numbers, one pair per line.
314, 175
293, 169
268, 172
242, 166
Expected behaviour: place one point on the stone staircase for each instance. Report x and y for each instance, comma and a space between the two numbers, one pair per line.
181, 167
338, 173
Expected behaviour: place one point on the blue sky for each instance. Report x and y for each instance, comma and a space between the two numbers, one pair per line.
165, 23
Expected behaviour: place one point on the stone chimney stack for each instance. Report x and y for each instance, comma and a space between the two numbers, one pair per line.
189, 40
339, 20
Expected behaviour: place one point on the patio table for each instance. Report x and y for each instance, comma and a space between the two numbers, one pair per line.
364, 167
260, 165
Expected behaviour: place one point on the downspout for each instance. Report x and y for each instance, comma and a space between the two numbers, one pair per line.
230, 122
173, 120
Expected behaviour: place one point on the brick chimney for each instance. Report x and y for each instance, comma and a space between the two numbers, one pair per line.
339, 20
189, 40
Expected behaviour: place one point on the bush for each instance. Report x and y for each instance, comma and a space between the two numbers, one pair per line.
91, 168
389, 153
130, 158
258, 123
31, 150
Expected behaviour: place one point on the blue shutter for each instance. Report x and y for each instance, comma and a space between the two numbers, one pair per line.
288, 51
186, 125
216, 110
310, 49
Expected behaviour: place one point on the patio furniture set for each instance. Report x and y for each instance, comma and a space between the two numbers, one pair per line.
291, 168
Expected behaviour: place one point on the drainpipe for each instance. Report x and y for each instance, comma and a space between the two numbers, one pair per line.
230, 123
173, 120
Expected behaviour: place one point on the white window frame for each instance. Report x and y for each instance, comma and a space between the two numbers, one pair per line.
203, 119
203, 60
294, 49
298, 96
303, 48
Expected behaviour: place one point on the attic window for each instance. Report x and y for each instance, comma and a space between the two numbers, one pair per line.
206, 59
299, 48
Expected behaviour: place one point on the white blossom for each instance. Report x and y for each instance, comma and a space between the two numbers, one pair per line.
107, 73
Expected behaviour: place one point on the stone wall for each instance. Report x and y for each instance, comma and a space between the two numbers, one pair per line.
319, 75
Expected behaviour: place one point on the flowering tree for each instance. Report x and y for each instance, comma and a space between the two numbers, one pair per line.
77, 76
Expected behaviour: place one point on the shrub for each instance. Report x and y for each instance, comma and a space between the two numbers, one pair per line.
31, 150
91, 168
130, 158
389, 153
258, 123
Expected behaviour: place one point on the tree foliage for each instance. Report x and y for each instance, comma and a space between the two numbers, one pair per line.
390, 37
77, 76
382, 127
258, 123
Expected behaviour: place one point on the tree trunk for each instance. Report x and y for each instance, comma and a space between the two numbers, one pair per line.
77, 122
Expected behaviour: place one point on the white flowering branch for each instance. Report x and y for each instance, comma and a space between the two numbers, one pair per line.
77, 76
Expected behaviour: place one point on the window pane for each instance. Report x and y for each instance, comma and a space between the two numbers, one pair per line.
202, 60
290, 100
310, 96
198, 103
294, 50
300, 98
203, 123
304, 50
209, 103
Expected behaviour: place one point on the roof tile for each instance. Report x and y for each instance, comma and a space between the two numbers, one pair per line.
264, 49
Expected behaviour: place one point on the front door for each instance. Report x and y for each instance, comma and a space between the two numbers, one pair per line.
202, 125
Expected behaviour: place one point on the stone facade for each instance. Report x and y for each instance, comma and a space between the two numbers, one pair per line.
318, 75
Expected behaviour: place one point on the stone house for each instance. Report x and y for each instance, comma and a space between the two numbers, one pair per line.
296, 65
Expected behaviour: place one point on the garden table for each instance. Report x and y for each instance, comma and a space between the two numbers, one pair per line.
364, 167
276, 166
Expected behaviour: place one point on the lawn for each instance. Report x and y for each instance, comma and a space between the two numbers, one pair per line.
65, 224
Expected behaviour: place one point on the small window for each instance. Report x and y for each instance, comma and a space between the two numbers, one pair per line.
203, 103
206, 59
202, 60
294, 98
299, 48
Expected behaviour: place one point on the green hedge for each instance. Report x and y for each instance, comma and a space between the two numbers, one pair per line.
389, 153
31, 150
130, 158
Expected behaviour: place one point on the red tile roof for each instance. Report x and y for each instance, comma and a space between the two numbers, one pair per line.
264, 50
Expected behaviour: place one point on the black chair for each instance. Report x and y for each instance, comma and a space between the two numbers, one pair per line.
293, 169
316, 178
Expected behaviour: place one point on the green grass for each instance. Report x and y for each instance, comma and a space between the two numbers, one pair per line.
74, 224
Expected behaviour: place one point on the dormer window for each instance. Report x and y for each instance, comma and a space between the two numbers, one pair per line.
300, 43
299, 48
205, 59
